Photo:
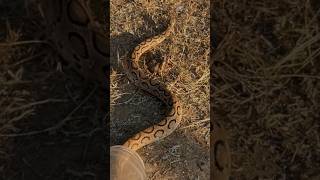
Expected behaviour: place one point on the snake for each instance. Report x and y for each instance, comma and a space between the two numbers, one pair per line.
220, 153
140, 78
78, 37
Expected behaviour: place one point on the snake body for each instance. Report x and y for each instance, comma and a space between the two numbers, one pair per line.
80, 40
220, 153
139, 77
78, 37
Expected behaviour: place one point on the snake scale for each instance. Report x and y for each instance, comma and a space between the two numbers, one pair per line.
78, 37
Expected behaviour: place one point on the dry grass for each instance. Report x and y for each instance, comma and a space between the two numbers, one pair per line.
14, 101
266, 86
184, 154
43, 107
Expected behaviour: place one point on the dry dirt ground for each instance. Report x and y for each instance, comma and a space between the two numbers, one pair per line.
266, 86
185, 153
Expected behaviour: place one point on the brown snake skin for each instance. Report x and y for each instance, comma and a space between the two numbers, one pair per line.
141, 79
79, 39
220, 153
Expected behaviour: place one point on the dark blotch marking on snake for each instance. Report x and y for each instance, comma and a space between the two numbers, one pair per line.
178, 110
137, 48
163, 123
162, 90
149, 130
133, 56
171, 102
137, 136
79, 44
144, 84
218, 124
157, 132
134, 74
173, 112
167, 93
146, 138
154, 83
217, 145
77, 14
99, 46
172, 121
